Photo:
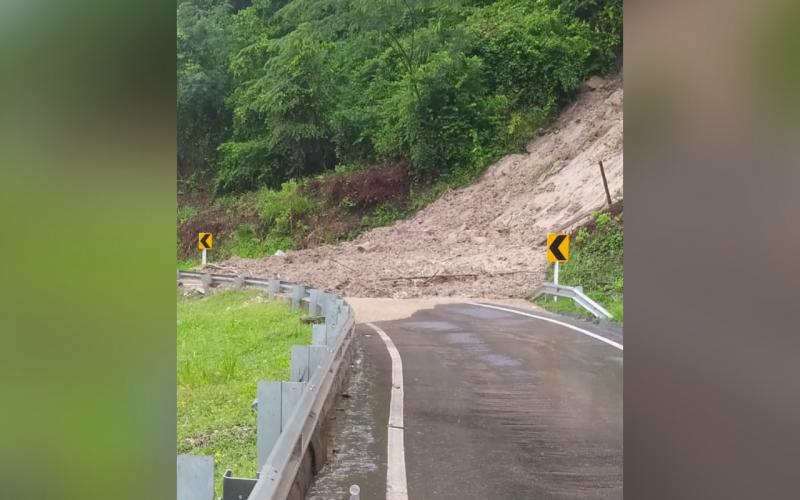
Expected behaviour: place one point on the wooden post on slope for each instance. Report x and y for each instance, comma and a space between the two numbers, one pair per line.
605, 183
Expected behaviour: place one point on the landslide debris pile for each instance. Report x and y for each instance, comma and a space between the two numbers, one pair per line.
485, 240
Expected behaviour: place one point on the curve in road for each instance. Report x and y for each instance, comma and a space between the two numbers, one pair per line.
496, 402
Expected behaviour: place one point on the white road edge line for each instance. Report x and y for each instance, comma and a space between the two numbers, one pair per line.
581, 330
396, 483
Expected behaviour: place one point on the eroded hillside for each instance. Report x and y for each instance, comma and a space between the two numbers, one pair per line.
485, 240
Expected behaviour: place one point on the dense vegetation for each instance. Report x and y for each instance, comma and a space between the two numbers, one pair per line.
595, 263
270, 91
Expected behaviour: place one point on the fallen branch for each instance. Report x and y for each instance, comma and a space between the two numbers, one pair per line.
450, 258
467, 275
346, 267
429, 279
221, 268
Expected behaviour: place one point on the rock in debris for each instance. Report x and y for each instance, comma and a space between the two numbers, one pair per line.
366, 247
595, 83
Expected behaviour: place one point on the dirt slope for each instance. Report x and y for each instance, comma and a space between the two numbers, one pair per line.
497, 225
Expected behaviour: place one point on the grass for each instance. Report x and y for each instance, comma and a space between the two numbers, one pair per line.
186, 213
568, 307
595, 263
248, 244
189, 264
227, 342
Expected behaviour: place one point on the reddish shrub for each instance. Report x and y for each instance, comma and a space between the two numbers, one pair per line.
365, 189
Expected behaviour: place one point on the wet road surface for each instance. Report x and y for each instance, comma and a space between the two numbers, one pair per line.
496, 406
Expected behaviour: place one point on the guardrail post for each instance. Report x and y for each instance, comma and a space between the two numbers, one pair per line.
300, 364
330, 317
274, 287
319, 335
238, 283
237, 488
316, 356
290, 395
276, 401
305, 360
344, 311
195, 477
268, 421
312, 301
297, 294
206, 281
324, 298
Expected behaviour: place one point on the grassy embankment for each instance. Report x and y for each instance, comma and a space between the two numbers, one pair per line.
226, 343
595, 263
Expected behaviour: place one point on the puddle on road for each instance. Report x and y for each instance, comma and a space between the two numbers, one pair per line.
438, 326
475, 346
353, 437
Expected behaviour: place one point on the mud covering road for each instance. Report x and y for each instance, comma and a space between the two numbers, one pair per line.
497, 406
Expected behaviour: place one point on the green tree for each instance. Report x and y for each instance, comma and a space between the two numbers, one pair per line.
270, 90
203, 83
279, 114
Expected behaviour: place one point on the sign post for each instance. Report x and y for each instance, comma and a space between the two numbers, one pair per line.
205, 244
557, 251
555, 275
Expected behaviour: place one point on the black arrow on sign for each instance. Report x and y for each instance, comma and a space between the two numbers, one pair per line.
203, 240
554, 247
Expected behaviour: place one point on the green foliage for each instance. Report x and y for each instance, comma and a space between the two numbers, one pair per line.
203, 82
186, 213
347, 204
595, 263
281, 90
385, 215
186, 265
248, 244
613, 305
279, 209
278, 212
244, 204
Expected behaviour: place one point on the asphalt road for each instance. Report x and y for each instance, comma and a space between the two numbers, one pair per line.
495, 406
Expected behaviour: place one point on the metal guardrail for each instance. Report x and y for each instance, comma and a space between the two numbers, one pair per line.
574, 293
283, 463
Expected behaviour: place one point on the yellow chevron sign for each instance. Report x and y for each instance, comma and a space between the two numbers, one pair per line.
557, 247
205, 241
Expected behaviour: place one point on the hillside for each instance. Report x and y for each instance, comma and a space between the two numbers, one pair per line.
277, 91
496, 225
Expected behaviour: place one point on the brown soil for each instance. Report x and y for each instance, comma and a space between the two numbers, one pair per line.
348, 197
365, 189
493, 230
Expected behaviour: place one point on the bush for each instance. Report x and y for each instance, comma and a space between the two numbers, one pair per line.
248, 244
280, 209
384, 215
362, 188
186, 213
